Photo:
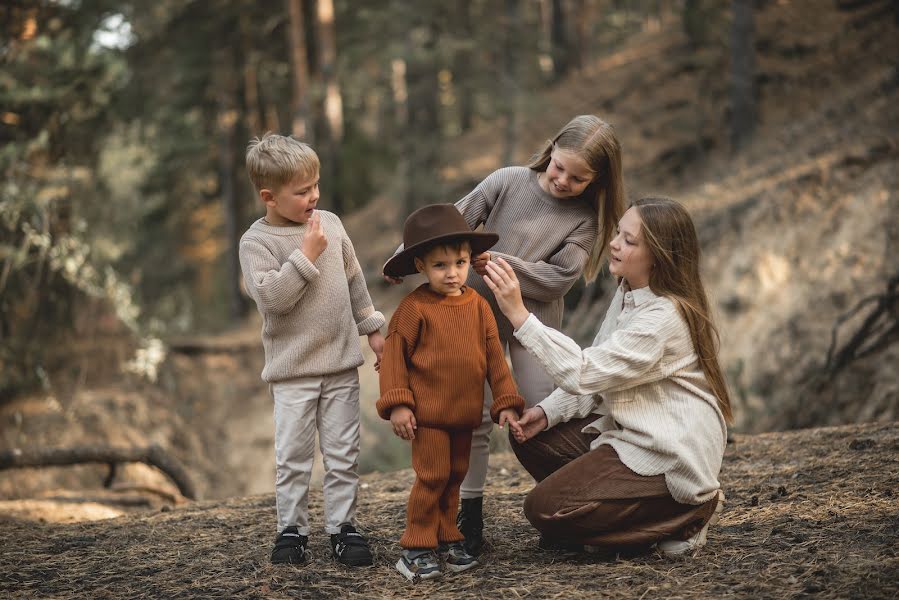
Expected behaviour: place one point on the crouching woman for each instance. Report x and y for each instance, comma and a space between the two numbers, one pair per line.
627, 451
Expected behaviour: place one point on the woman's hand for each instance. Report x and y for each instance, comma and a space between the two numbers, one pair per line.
403, 421
532, 422
479, 263
501, 279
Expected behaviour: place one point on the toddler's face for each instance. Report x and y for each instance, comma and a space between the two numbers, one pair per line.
293, 202
446, 268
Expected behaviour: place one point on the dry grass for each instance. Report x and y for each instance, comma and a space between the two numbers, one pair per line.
810, 513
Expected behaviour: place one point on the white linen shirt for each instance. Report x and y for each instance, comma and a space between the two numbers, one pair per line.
642, 375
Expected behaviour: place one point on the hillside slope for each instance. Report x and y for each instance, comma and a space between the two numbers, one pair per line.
810, 513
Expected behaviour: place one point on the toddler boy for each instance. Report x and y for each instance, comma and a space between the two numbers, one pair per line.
300, 267
442, 344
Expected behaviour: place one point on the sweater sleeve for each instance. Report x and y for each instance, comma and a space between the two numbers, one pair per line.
478, 203
630, 357
561, 407
275, 287
550, 279
402, 336
505, 392
367, 319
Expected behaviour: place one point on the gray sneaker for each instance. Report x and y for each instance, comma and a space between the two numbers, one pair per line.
681, 547
456, 557
418, 564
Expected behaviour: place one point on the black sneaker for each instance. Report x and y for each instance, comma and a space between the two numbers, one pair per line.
290, 547
417, 564
471, 523
455, 556
350, 547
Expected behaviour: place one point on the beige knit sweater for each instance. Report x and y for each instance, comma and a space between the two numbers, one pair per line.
642, 375
312, 313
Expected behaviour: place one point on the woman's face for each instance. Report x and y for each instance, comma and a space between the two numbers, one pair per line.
567, 175
631, 258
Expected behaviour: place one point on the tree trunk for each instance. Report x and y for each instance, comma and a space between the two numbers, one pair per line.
227, 124
561, 45
424, 132
400, 91
301, 119
464, 65
154, 456
511, 81
743, 96
332, 108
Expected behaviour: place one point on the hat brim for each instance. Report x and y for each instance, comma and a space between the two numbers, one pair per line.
402, 263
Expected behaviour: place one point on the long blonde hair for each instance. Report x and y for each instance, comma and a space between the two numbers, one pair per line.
671, 237
594, 140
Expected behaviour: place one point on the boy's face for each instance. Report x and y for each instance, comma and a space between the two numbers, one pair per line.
446, 268
293, 202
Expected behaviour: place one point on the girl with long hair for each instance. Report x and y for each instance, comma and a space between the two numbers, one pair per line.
627, 450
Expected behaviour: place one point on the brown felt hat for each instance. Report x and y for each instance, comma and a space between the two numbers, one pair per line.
431, 225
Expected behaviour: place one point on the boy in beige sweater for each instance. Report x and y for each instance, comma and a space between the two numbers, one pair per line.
300, 267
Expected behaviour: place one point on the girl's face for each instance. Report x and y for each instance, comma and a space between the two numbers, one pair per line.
631, 258
567, 175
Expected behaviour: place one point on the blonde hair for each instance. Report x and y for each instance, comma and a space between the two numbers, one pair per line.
276, 160
595, 142
671, 236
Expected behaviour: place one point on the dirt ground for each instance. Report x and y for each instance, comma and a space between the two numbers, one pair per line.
810, 513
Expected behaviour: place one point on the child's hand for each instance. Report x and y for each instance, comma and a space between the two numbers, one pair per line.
479, 263
532, 422
315, 241
376, 343
510, 416
393, 280
403, 421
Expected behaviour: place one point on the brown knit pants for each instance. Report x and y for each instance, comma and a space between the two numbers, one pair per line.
590, 497
440, 460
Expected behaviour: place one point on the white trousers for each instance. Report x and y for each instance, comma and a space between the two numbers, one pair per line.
331, 404
534, 384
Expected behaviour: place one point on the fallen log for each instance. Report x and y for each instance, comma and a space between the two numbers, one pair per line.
154, 455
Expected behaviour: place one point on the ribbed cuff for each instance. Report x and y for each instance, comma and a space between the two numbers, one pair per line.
503, 402
371, 323
553, 415
393, 398
303, 265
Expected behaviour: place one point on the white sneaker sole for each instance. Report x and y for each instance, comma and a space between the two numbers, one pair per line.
460, 568
679, 548
408, 574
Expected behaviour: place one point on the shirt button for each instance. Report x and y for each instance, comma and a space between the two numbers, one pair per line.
628, 295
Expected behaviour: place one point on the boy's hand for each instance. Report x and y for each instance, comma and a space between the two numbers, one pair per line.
403, 421
510, 416
315, 240
479, 263
532, 422
376, 343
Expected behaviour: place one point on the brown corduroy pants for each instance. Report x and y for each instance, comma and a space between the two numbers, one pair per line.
440, 461
590, 497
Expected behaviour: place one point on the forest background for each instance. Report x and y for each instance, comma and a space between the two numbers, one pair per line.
123, 127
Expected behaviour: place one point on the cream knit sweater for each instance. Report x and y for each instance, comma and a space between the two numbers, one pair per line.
642, 375
312, 313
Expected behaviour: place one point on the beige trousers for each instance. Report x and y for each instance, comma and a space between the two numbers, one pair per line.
329, 403
533, 384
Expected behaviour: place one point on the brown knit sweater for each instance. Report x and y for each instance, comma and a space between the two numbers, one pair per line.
439, 351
